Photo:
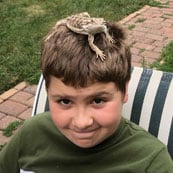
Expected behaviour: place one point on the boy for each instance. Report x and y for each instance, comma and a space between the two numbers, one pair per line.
86, 65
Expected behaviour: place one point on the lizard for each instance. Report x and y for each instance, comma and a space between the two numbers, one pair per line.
82, 23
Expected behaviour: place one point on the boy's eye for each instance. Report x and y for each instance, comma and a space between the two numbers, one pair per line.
98, 101
64, 101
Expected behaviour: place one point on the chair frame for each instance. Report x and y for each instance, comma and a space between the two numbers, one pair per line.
150, 102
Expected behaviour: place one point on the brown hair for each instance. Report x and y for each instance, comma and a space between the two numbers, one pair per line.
67, 55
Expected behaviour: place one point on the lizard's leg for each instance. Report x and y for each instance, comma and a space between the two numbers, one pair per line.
108, 37
98, 52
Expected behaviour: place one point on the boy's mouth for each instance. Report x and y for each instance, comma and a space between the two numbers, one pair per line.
84, 134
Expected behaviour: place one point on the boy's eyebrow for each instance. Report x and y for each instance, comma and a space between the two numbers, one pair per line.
101, 93
97, 94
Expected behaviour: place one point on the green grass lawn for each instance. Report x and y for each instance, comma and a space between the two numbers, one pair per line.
165, 62
25, 22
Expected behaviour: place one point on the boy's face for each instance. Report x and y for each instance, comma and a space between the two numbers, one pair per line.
86, 116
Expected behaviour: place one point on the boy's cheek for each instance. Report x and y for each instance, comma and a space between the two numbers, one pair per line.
109, 115
59, 116
59, 120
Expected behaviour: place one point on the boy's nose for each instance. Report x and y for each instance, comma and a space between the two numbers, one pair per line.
82, 119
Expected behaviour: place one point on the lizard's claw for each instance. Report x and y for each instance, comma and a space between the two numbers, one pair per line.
101, 55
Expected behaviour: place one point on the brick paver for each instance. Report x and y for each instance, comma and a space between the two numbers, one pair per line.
12, 108
21, 97
1, 100
8, 94
150, 29
26, 114
6, 120
21, 86
15, 105
2, 115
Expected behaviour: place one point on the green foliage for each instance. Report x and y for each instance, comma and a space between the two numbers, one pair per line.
157, 4
130, 27
165, 62
25, 22
140, 20
11, 128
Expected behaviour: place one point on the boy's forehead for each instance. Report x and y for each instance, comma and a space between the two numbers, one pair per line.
57, 86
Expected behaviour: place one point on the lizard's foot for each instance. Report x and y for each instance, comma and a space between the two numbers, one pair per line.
109, 38
101, 55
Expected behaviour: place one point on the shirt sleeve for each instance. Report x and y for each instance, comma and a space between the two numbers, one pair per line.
10, 154
162, 163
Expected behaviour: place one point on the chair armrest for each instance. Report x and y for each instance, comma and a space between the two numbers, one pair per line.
41, 101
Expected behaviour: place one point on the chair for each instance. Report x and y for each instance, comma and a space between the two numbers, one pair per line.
150, 103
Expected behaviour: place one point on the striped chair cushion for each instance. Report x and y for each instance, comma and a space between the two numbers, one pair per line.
150, 103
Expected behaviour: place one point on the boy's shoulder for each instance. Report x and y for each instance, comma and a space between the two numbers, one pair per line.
42, 117
141, 135
37, 123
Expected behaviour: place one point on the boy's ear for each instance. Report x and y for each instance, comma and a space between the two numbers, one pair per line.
125, 99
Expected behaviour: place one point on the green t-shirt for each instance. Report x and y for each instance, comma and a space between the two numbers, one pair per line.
39, 147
